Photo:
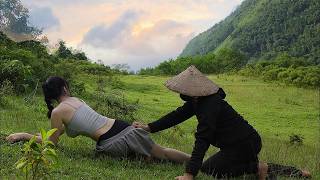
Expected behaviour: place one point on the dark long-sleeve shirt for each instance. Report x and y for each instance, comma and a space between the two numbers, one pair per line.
218, 125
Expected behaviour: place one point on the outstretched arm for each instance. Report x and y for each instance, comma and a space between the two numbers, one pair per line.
16, 137
175, 117
171, 119
56, 122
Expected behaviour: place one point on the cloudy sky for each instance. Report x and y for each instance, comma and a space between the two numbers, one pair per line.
140, 33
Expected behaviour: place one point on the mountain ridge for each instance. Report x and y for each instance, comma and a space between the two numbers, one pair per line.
262, 29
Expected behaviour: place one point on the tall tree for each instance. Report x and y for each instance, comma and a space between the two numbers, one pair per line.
14, 18
63, 52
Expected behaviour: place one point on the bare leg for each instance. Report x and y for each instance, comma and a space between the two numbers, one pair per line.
169, 154
262, 170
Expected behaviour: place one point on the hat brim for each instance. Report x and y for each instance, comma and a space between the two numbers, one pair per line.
192, 82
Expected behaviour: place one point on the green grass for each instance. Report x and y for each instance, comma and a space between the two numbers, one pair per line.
275, 110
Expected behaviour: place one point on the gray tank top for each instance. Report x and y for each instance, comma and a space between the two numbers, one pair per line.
85, 121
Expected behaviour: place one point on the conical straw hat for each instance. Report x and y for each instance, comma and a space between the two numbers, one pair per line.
192, 82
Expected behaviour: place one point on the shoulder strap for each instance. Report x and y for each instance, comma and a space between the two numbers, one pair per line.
82, 100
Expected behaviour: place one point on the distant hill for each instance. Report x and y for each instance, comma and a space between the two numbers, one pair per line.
262, 29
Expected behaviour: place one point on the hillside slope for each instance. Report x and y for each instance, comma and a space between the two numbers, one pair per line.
262, 29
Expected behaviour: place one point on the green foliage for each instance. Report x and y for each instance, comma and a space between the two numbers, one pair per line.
16, 72
223, 61
230, 60
66, 69
35, 47
6, 89
96, 69
28, 63
80, 56
121, 68
114, 81
38, 158
113, 103
286, 69
77, 88
64, 52
263, 29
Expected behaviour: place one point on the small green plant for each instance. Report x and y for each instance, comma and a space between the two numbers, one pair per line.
296, 139
38, 158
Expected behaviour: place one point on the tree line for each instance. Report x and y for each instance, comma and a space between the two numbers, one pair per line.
284, 68
28, 63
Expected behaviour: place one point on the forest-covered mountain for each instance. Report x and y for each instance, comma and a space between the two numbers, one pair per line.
276, 40
263, 29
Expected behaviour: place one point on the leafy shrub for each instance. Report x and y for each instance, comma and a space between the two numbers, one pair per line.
272, 73
6, 88
66, 69
290, 70
36, 47
77, 88
115, 82
16, 72
38, 158
96, 69
113, 104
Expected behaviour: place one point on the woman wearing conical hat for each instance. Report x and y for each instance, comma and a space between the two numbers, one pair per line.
218, 125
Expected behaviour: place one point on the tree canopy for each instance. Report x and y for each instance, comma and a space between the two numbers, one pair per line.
14, 18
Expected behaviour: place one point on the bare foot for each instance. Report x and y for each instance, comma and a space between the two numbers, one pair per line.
306, 173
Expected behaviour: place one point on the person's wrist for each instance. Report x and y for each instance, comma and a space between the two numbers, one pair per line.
188, 175
25, 137
147, 128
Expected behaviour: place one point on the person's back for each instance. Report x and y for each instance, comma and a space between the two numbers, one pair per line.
84, 121
226, 125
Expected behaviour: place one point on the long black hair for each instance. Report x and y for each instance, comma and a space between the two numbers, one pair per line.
52, 89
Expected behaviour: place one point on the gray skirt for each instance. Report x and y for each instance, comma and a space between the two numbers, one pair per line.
130, 141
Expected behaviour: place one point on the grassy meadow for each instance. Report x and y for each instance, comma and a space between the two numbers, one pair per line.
275, 110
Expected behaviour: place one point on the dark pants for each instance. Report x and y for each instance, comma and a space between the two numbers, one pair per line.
242, 158
239, 159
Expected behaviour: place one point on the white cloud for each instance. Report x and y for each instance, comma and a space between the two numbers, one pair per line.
138, 32
108, 36
43, 17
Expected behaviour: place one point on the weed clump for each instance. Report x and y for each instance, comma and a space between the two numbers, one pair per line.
113, 103
296, 139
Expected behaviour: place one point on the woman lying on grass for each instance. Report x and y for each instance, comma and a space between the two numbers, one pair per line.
114, 137
218, 125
